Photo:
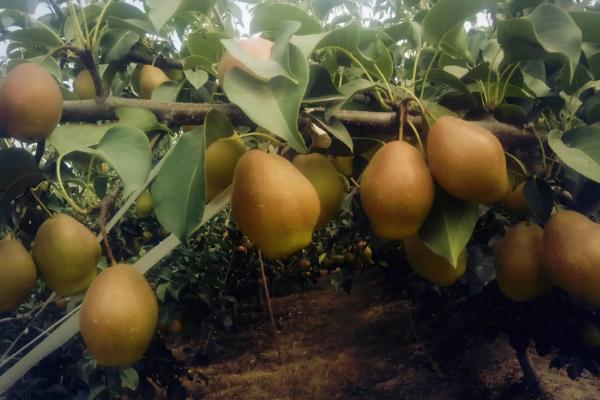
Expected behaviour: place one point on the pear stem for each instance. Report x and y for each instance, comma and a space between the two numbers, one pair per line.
105, 205
41, 203
269, 305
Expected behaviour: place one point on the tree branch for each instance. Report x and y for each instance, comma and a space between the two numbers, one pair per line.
374, 123
139, 55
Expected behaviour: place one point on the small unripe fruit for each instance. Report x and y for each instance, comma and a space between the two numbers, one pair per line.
144, 205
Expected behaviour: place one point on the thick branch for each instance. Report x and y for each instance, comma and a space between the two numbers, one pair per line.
369, 122
87, 58
138, 55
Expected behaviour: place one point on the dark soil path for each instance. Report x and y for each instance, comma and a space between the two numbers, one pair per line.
364, 345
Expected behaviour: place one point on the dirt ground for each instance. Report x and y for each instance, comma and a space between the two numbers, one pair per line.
364, 345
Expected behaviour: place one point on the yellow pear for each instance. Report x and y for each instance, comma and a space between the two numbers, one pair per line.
431, 266
118, 316
397, 190
220, 160
144, 205
273, 203
518, 260
344, 165
31, 102
467, 160
572, 254
327, 182
17, 274
514, 200
150, 78
66, 253
255, 47
83, 86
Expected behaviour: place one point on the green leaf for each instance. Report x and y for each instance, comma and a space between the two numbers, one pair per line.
141, 27
206, 44
197, 78
275, 104
446, 15
127, 150
320, 88
34, 37
263, 69
162, 11
336, 128
549, 33
349, 90
179, 189
440, 76
117, 43
217, 126
539, 198
167, 91
589, 24
129, 378
449, 226
579, 149
410, 31
70, 137
268, 18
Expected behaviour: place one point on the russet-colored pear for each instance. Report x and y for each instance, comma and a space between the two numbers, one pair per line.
397, 190
327, 182
514, 200
83, 86
431, 266
17, 274
66, 253
31, 102
150, 78
118, 316
572, 254
220, 160
273, 203
518, 261
467, 160
258, 48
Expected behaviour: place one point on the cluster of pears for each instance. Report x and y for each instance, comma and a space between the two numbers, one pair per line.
31, 102
398, 187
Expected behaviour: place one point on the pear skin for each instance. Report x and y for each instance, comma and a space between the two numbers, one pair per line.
220, 160
327, 182
144, 205
118, 316
431, 266
31, 102
150, 78
344, 165
66, 253
273, 203
572, 254
514, 200
255, 47
518, 261
83, 86
397, 191
18, 274
467, 160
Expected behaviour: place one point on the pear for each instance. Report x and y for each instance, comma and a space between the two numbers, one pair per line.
66, 253
467, 160
150, 78
17, 274
518, 261
83, 86
273, 203
220, 160
572, 254
397, 191
431, 266
327, 182
344, 165
118, 316
514, 200
258, 48
144, 205
31, 102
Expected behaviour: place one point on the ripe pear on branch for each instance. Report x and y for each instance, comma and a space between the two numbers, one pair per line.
273, 203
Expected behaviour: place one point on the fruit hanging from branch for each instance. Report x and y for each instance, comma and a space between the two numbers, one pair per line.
467, 160
118, 316
66, 253
151, 78
31, 102
432, 266
221, 158
83, 85
18, 274
397, 190
273, 203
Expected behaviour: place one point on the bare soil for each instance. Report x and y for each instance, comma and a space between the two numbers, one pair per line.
364, 345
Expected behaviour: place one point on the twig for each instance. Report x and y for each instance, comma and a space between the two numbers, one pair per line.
87, 58
55, 8
269, 306
530, 377
41, 203
39, 150
105, 206
434, 365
